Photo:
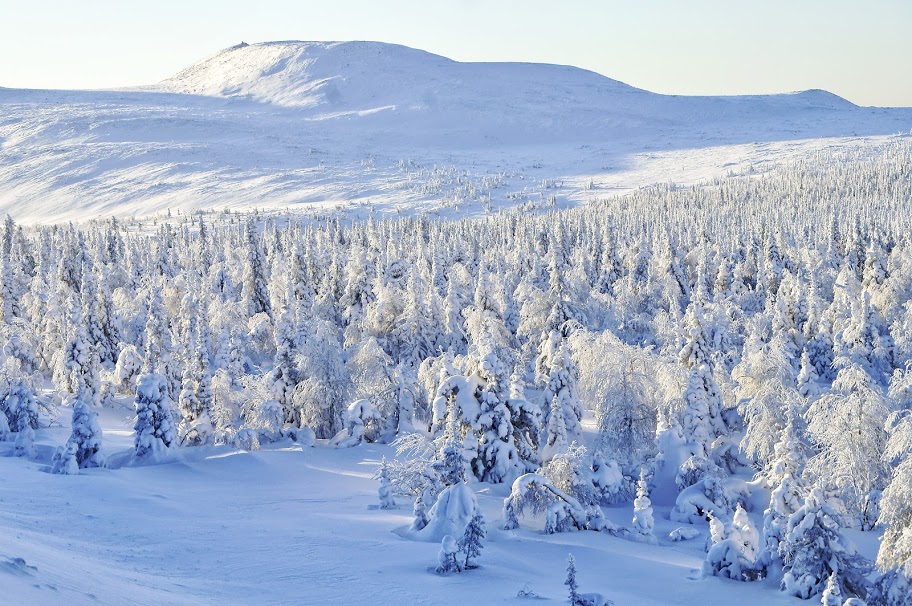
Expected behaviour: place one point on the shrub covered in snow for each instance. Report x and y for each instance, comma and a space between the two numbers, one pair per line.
718, 496
735, 549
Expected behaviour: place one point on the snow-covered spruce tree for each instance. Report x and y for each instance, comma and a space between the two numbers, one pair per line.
786, 497
9, 295
866, 341
498, 459
575, 597
702, 416
413, 333
807, 378
159, 354
77, 370
17, 403
256, 292
571, 582
98, 313
643, 521
696, 349
481, 402
195, 401
814, 547
701, 419
5, 432
561, 386
84, 443
548, 350
281, 380
385, 491
64, 461
526, 419
203, 394
470, 545
556, 439
154, 430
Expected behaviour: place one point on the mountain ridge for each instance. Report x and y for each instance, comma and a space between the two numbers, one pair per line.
368, 125
255, 71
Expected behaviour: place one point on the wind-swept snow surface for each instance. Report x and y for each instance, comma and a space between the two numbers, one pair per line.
365, 125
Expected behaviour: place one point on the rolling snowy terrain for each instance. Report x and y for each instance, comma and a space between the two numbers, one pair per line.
364, 126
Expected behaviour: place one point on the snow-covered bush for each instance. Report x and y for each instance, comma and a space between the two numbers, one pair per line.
684, 533
24, 446
64, 461
712, 495
735, 549
451, 512
848, 425
363, 423
448, 556
534, 494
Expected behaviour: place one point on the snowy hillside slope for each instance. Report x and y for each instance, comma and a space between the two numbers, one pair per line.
304, 124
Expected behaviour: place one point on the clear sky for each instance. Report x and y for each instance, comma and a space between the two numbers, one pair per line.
861, 50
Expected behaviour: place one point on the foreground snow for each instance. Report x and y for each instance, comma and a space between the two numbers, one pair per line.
293, 526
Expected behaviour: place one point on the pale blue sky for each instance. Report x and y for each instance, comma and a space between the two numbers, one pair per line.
860, 50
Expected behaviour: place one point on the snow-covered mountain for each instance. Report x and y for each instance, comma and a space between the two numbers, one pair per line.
284, 124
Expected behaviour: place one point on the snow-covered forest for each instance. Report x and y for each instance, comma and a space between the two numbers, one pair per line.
734, 356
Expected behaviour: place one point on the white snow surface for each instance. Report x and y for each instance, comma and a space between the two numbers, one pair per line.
369, 126
287, 525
